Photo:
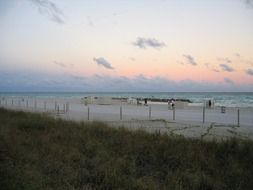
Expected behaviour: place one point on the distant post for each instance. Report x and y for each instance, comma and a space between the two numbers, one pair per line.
238, 117
174, 113
204, 112
88, 113
149, 115
120, 112
67, 107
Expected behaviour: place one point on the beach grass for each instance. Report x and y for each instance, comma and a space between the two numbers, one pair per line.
39, 152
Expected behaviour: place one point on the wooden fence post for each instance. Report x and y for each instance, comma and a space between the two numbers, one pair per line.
204, 112
67, 107
149, 115
238, 117
120, 112
174, 113
88, 113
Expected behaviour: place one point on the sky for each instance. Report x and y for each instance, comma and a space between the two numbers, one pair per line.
126, 45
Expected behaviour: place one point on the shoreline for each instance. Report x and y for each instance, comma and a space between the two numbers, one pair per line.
227, 99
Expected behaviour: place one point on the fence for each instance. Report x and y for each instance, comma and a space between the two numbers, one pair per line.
61, 107
35, 105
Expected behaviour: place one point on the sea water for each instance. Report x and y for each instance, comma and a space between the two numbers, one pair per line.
228, 99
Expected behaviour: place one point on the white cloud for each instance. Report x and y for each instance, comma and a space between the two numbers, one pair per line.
103, 62
226, 67
190, 60
30, 81
249, 3
59, 64
143, 43
48, 8
249, 72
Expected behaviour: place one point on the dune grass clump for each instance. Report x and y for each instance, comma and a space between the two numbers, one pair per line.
40, 152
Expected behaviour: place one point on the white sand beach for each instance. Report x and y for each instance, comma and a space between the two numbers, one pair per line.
190, 121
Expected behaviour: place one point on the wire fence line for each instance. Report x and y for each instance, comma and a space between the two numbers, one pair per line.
49, 106
77, 111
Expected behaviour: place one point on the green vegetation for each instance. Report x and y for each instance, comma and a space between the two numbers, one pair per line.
38, 152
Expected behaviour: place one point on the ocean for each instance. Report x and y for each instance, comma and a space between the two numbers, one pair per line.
228, 99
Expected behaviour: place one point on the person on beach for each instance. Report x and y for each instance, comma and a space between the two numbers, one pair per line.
172, 103
145, 101
209, 103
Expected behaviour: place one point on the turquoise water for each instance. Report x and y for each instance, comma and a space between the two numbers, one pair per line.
229, 99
